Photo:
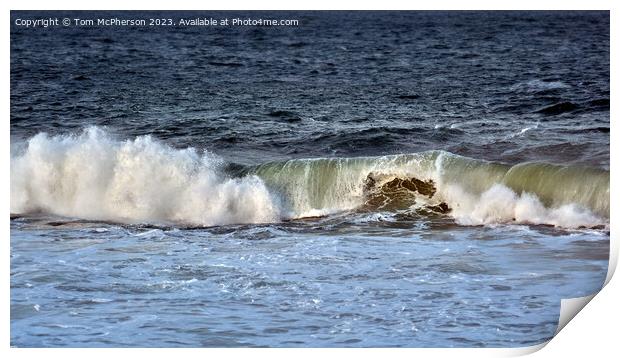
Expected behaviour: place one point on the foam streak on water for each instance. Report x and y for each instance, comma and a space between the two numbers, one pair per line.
381, 282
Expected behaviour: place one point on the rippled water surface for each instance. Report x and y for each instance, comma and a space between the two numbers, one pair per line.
154, 203
318, 283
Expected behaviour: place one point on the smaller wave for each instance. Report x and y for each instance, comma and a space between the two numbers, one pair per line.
522, 131
225, 64
535, 86
287, 116
588, 130
558, 108
408, 96
600, 104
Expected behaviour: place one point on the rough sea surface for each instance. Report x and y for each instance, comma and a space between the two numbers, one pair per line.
363, 179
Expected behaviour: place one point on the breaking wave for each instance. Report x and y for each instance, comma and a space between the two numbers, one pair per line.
94, 176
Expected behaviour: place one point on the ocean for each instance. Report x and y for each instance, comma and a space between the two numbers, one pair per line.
349, 179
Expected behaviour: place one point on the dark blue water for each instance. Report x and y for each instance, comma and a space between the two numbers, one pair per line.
339, 84
152, 206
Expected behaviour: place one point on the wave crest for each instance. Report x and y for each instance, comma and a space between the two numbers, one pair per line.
94, 176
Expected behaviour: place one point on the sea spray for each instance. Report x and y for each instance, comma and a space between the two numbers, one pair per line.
94, 176
478, 192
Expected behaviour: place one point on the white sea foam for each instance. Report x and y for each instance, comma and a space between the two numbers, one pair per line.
539, 85
500, 204
94, 176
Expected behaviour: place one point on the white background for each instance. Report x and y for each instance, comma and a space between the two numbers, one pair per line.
593, 332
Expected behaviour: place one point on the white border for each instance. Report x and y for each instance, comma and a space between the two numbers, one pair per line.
593, 331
